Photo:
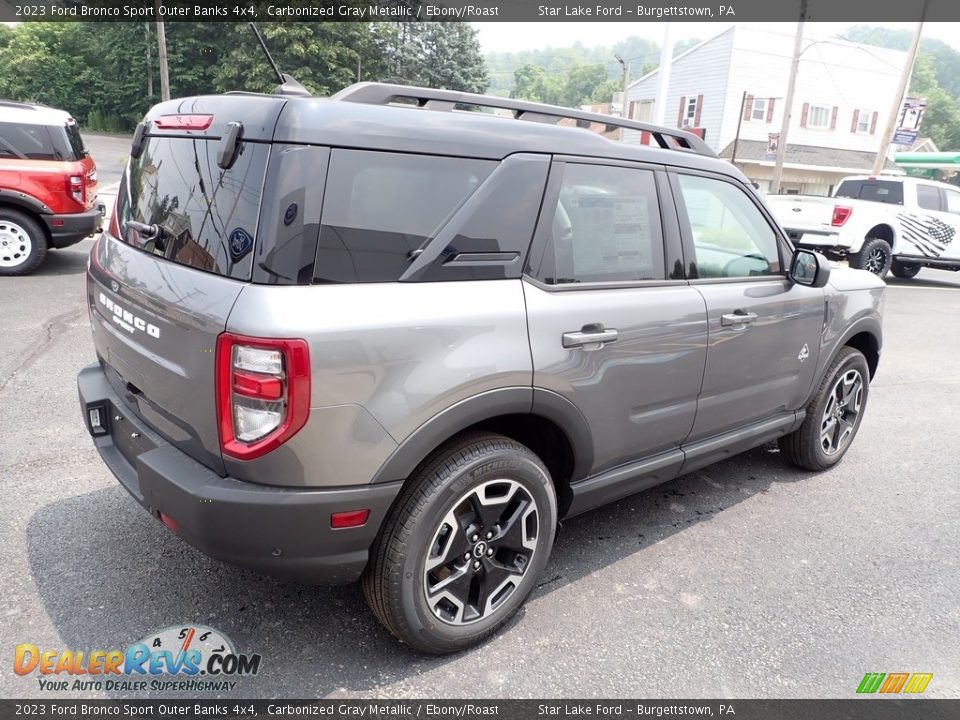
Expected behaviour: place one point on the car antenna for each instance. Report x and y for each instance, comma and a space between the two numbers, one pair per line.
287, 86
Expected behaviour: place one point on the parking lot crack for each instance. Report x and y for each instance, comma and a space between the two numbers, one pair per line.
48, 332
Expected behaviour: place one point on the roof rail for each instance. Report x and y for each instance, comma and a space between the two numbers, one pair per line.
371, 93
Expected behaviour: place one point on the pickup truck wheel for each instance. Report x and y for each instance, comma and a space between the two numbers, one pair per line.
904, 270
464, 545
833, 416
23, 244
875, 255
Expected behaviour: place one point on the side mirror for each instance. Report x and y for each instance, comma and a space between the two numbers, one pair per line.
808, 268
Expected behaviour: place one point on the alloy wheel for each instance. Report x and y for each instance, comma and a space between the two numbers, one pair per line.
839, 419
481, 551
876, 261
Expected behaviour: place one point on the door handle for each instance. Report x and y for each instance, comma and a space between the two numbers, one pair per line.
590, 337
737, 318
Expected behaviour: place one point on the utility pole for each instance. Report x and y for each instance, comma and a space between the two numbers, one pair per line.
905, 74
663, 77
162, 57
146, 29
788, 103
624, 103
736, 138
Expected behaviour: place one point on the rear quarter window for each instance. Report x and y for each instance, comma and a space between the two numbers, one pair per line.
380, 208
884, 191
31, 142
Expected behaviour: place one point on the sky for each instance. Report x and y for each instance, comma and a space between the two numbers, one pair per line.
507, 36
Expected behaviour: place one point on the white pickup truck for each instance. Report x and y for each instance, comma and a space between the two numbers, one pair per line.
878, 224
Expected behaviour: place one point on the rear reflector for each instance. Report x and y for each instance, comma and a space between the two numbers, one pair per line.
168, 521
349, 518
183, 122
257, 386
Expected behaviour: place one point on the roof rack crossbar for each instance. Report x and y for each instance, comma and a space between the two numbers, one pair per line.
371, 93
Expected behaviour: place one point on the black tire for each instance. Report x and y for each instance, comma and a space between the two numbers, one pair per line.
805, 446
397, 580
875, 256
23, 243
904, 270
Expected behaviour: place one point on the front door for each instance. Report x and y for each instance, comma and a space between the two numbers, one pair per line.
609, 329
764, 330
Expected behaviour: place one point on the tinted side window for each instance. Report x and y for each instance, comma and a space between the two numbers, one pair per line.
379, 208
606, 227
952, 198
928, 197
875, 190
27, 142
731, 237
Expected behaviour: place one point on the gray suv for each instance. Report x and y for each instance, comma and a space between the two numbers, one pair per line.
393, 337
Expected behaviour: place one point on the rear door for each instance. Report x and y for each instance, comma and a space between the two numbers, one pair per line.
764, 330
614, 327
165, 276
930, 230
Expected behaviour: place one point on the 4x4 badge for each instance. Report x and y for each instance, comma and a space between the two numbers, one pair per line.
804, 353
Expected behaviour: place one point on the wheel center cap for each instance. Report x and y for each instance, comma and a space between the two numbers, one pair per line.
480, 549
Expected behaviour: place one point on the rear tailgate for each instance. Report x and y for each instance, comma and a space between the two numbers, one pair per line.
806, 218
159, 297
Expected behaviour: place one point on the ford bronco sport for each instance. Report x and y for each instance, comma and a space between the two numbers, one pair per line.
385, 336
48, 186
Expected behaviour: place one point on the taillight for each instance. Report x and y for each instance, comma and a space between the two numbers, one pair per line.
76, 188
263, 393
840, 215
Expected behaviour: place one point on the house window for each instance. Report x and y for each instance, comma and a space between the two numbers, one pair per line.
691, 111
863, 121
759, 111
644, 111
818, 117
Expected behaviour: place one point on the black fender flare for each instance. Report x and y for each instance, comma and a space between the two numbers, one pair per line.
488, 406
23, 201
869, 325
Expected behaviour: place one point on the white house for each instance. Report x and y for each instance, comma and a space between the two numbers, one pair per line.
843, 94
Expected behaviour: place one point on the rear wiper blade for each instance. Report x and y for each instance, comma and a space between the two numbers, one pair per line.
148, 233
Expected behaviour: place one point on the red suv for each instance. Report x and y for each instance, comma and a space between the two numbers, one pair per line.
48, 185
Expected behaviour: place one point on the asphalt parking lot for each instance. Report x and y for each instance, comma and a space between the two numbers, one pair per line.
749, 579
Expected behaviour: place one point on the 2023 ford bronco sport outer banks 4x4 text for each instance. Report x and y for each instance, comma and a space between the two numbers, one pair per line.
341, 338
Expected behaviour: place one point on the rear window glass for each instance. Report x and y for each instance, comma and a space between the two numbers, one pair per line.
177, 203
30, 142
875, 190
75, 140
379, 209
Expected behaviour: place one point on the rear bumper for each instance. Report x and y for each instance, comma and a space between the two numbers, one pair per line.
816, 238
278, 531
71, 228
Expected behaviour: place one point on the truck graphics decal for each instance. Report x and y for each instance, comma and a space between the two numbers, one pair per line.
928, 234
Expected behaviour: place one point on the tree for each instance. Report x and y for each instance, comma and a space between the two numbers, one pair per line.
98, 71
532, 83
941, 120
435, 54
581, 84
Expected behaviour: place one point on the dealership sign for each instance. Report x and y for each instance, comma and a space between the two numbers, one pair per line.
909, 120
